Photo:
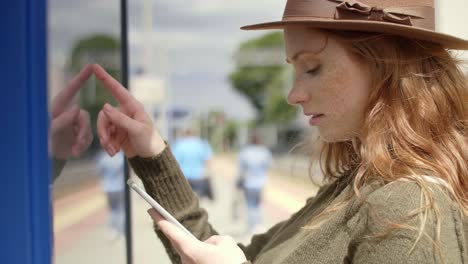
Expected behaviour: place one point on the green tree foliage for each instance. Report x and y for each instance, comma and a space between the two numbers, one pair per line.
102, 49
253, 82
276, 109
274, 39
264, 85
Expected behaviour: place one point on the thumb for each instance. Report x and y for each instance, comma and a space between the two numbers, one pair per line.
179, 239
68, 118
84, 124
121, 120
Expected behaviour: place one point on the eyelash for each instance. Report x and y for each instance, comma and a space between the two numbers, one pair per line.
313, 71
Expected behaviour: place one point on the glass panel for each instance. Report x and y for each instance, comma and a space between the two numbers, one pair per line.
88, 197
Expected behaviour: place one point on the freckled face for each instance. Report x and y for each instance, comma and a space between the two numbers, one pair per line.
330, 84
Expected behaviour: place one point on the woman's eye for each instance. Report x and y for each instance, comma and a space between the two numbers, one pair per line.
313, 71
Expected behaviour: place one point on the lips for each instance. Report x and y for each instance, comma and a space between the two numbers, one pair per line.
313, 114
315, 118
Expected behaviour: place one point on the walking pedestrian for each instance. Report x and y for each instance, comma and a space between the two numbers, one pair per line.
193, 155
254, 161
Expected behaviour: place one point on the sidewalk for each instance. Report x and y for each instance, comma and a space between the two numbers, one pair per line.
285, 193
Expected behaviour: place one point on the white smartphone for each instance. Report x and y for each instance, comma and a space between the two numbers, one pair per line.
157, 206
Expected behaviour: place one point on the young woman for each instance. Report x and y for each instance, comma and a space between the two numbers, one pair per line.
391, 107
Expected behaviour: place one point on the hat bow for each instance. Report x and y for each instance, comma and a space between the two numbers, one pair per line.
351, 10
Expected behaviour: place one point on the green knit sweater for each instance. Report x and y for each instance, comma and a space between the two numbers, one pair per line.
349, 234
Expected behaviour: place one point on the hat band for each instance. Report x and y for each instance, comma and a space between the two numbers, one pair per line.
417, 16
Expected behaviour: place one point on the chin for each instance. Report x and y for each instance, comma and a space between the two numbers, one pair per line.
335, 137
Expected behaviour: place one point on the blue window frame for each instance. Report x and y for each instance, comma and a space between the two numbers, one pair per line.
25, 223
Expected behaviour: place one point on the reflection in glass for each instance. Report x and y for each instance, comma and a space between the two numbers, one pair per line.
88, 186
70, 128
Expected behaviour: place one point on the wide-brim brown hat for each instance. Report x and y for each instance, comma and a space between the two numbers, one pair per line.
413, 19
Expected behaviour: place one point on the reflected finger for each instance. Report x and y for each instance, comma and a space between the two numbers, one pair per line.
67, 119
80, 125
65, 96
85, 135
77, 149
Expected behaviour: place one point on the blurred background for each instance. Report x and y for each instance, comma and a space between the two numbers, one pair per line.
194, 70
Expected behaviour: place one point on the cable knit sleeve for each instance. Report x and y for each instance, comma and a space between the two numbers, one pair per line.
165, 182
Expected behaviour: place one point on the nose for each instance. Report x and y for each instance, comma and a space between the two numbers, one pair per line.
297, 96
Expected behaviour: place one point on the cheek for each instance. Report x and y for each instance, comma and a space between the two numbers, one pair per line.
345, 97
336, 90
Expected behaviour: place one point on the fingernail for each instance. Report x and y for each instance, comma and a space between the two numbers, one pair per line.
149, 213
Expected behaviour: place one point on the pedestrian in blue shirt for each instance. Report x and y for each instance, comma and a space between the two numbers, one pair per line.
193, 155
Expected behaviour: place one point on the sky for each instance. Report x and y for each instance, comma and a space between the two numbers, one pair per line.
191, 42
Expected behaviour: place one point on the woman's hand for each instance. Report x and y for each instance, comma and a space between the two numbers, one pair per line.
216, 249
128, 127
70, 128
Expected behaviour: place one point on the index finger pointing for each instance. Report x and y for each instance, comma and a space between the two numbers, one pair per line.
122, 95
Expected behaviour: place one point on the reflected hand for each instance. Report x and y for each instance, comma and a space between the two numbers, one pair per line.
127, 127
70, 129
216, 249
